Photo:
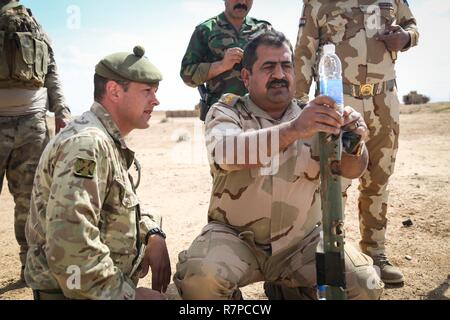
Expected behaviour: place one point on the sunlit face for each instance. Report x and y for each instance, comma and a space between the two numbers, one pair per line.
271, 81
238, 9
136, 105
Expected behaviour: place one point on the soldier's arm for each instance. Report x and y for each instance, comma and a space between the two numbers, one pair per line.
407, 21
76, 254
305, 52
194, 67
56, 101
232, 149
156, 254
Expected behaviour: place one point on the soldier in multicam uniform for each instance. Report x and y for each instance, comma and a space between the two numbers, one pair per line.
88, 238
29, 86
266, 226
368, 35
216, 48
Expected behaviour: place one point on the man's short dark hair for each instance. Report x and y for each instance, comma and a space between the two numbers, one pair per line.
100, 86
270, 38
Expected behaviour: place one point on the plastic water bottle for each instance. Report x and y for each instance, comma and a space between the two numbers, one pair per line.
330, 71
322, 292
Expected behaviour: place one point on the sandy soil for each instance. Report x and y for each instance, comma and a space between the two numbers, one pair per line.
176, 183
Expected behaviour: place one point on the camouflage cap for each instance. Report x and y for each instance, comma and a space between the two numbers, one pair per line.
133, 67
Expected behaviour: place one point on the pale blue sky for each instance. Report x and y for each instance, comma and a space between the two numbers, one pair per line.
164, 29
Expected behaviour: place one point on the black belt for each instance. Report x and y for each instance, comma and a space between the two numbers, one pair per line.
369, 90
49, 295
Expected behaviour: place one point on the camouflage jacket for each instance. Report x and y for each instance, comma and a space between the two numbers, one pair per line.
352, 26
208, 44
83, 219
279, 209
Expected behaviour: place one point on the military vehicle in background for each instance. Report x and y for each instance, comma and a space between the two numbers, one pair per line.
415, 98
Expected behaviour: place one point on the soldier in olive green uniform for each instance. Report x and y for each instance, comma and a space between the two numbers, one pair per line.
29, 86
368, 35
88, 238
215, 50
265, 224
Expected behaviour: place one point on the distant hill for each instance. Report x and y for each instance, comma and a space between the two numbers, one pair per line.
436, 107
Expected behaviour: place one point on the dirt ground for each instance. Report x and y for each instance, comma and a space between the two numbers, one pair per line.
176, 183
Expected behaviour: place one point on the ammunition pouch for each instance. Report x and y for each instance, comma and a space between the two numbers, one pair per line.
24, 52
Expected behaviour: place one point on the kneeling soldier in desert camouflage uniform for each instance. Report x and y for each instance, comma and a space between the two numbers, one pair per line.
87, 236
265, 226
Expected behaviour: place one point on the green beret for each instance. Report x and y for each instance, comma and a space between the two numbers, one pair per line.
124, 66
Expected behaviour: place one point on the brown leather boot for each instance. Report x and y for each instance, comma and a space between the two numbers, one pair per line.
390, 274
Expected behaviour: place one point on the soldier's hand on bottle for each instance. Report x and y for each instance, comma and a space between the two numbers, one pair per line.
354, 122
149, 294
320, 115
232, 57
395, 38
157, 258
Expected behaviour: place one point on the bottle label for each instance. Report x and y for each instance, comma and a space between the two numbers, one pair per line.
334, 89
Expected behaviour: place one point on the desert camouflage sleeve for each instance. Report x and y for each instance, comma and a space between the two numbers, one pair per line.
305, 52
221, 122
406, 19
194, 68
73, 225
56, 101
147, 223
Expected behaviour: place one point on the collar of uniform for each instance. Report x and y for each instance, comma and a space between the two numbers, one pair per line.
223, 20
249, 21
291, 113
109, 124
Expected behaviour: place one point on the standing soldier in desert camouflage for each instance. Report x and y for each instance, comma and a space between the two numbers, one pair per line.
216, 48
368, 35
29, 86
265, 225
88, 238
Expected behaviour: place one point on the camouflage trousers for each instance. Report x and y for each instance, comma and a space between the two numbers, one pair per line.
22, 141
221, 260
381, 114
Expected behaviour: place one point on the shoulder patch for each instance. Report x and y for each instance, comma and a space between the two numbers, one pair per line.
84, 168
229, 99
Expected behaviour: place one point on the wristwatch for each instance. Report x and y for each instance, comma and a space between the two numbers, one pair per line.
358, 151
154, 231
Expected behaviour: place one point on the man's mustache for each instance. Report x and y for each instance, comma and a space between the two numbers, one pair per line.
241, 6
276, 82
